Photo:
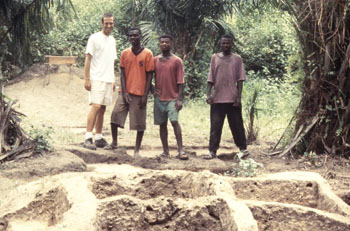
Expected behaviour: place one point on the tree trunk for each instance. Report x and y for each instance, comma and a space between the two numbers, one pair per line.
323, 30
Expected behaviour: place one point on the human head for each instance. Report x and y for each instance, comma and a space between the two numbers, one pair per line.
165, 42
107, 22
226, 43
135, 35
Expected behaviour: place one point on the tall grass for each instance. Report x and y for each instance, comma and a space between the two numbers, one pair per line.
276, 106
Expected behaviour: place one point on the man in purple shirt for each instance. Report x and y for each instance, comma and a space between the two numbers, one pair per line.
226, 76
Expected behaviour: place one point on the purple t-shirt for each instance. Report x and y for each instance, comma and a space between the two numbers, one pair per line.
224, 73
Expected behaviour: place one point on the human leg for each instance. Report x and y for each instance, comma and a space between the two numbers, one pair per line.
217, 117
114, 131
235, 121
178, 135
100, 142
163, 133
91, 118
100, 95
161, 118
99, 119
91, 121
139, 136
118, 117
137, 118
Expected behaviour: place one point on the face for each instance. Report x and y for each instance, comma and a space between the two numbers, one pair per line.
134, 37
226, 44
165, 44
107, 25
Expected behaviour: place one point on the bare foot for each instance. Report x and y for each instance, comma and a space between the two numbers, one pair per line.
137, 154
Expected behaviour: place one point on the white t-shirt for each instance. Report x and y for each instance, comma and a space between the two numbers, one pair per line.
103, 51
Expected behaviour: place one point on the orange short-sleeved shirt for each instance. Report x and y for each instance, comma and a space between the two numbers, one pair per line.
135, 67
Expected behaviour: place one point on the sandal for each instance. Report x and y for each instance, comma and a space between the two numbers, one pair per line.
209, 156
182, 156
243, 154
165, 155
110, 147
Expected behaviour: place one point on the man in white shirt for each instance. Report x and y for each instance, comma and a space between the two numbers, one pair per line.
99, 79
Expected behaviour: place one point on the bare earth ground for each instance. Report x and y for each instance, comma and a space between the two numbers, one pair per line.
56, 97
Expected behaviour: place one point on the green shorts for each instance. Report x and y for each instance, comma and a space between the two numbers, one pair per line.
164, 110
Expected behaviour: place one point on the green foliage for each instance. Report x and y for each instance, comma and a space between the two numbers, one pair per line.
275, 106
252, 112
41, 137
246, 168
21, 22
71, 31
266, 41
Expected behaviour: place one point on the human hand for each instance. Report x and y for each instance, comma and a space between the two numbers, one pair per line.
157, 92
87, 84
178, 105
143, 101
113, 85
237, 103
127, 98
209, 99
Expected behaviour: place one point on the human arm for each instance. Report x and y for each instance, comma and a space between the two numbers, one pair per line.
209, 96
87, 83
149, 76
238, 103
180, 97
126, 95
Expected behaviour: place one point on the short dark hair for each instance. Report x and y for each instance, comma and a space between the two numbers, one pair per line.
135, 28
165, 36
106, 15
228, 36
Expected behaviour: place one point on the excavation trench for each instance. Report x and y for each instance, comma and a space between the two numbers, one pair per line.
129, 198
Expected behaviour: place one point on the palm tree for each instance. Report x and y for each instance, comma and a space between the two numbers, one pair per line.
20, 19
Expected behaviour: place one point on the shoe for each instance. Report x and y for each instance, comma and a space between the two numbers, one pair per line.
89, 144
101, 143
110, 147
211, 155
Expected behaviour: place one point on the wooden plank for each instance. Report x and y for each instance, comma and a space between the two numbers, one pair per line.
60, 59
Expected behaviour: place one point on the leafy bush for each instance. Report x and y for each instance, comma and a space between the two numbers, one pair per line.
265, 42
42, 137
70, 32
246, 168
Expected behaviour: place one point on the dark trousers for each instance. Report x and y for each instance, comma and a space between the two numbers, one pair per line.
218, 113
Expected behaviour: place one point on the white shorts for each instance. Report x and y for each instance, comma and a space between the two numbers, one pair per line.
101, 93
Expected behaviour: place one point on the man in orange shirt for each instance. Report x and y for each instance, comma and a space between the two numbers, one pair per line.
137, 66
